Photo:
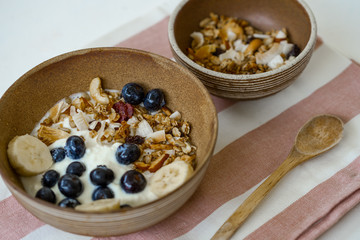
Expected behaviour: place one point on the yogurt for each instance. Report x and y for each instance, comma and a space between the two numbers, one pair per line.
104, 127
96, 154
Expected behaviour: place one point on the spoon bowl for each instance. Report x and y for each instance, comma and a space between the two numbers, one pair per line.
318, 135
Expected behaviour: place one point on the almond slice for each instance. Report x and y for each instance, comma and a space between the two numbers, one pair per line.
161, 146
141, 166
157, 164
253, 46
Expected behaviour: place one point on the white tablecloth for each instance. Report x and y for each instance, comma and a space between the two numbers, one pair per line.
34, 31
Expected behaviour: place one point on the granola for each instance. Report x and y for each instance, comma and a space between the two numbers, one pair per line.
231, 45
127, 149
117, 121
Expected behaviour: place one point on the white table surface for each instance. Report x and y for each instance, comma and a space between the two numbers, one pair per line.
34, 31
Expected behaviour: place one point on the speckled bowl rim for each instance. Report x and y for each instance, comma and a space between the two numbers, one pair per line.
308, 48
85, 51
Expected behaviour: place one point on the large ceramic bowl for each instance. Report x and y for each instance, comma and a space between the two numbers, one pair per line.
294, 15
30, 97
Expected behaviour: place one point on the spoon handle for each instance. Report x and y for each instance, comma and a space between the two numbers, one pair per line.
248, 206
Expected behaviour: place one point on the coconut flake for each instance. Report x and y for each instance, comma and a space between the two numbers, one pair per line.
231, 54
286, 47
100, 132
280, 35
93, 124
170, 152
158, 136
261, 36
56, 110
198, 39
144, 129
133, 120
175, 115
240, 46
80, 119
231, 35
266, 57
276, 62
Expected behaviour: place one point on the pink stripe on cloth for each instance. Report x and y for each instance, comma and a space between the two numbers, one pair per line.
332, 217
256, 154
222, 103
318, 210
15, 221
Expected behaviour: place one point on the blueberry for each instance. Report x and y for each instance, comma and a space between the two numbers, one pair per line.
70, 185
127, 153
154, 100
58, 154
69, 203
76, 168
75, 147
102, 193
133, 93
132, 181
101, 176
50, 178
46, 194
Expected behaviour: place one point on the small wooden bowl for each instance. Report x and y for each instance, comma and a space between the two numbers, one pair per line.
265, 15
31, 96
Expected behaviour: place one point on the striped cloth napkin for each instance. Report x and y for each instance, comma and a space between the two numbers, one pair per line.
254, 138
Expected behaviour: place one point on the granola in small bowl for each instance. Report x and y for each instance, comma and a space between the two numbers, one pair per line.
231, 45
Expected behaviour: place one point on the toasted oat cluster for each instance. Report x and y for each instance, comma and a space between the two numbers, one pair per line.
231, 45
162, 136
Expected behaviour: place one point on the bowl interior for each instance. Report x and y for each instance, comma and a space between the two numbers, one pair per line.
262, 14
30, 97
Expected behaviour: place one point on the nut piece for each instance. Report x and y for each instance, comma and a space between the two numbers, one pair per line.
97, 92
253, 46
49, 135
157, 164
141, 166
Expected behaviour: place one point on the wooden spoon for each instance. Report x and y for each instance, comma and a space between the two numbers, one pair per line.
317, 136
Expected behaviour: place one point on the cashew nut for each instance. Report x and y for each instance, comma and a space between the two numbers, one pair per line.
97, 92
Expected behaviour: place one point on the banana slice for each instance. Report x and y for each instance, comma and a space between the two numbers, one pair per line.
99, 206
170, 177
28, 155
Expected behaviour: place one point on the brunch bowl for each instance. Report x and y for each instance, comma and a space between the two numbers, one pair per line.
218, 26
25, 103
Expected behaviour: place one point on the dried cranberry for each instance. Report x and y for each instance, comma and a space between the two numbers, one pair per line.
135, 139
125, 110
217, 52
295, 51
